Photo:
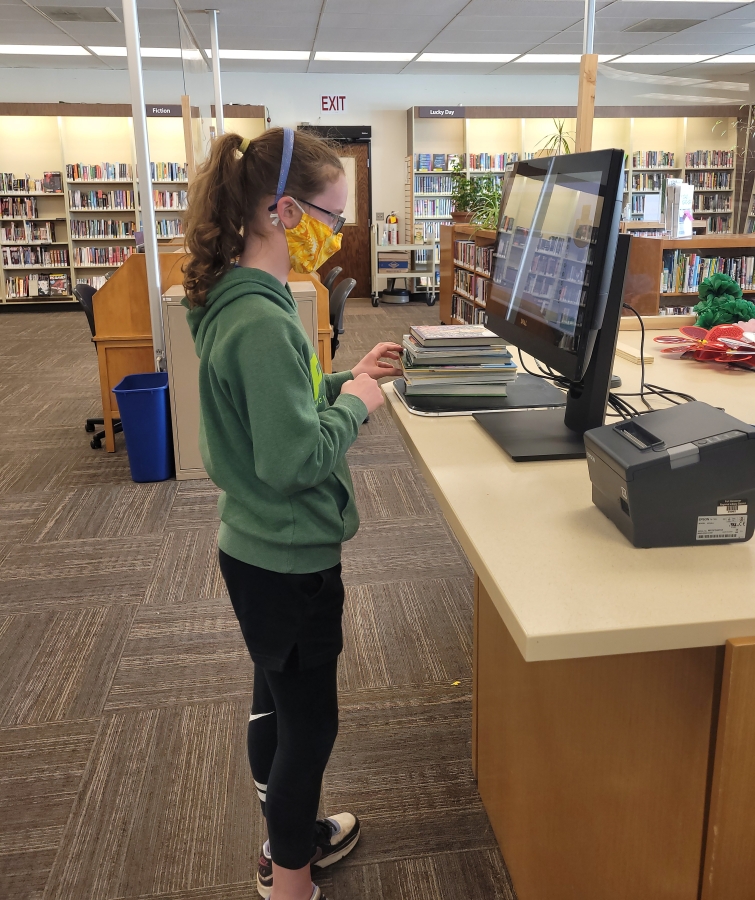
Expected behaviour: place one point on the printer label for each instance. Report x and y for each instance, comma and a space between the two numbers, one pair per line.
721, 528
730, 507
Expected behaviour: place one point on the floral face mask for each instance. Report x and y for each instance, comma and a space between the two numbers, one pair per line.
310, 243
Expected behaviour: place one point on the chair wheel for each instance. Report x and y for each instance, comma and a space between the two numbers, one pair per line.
89, 427
375, 301
95, 443
431, 301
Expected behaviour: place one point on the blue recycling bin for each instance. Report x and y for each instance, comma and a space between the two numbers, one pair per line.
145, 413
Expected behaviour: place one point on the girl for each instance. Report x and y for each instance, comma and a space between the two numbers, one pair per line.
274, 436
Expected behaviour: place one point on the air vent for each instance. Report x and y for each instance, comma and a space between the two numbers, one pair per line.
663, 26
80, 14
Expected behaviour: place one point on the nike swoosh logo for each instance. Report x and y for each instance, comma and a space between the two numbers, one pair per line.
259, 716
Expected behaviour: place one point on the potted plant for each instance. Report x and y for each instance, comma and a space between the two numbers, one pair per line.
464, 194
557, 143
487, 204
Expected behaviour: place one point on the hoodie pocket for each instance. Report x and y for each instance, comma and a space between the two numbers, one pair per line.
347, 506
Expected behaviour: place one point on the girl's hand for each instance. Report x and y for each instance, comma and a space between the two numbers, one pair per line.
365, 388
373, 364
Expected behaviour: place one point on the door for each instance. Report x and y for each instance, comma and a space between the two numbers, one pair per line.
354, 255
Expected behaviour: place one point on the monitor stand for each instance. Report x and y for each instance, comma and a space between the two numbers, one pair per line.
533, 434
540, 434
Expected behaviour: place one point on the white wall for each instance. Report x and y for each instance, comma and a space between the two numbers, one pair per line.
380, 101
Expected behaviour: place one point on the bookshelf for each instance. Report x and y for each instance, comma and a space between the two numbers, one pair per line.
696, 136
661, 279
465, 260
661, 283
84, 231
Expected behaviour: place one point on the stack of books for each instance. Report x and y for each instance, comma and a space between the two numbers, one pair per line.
456, 361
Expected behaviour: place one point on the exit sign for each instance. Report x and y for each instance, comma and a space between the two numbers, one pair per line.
335, 103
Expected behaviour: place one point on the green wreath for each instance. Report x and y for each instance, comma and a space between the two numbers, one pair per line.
721, 302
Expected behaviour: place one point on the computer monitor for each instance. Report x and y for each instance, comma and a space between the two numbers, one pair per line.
553, 281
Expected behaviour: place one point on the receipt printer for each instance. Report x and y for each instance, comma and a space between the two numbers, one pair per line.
676, 477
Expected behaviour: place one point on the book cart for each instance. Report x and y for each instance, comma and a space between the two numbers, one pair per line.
80, 227
421, 269
702, 145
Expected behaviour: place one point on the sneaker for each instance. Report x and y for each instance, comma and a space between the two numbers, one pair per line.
336, 837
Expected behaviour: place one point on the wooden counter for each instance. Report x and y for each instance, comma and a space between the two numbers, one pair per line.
612, 763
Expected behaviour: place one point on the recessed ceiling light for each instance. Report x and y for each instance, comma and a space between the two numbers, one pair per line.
162, 52
733, 58
263, 54
109, 51
468, 57
43, 50
358, 56
561, 57
667, 58
174, 53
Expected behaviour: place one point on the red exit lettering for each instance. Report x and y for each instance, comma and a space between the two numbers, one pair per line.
336, 103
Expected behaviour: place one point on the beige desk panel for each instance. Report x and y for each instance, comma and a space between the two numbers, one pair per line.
565, 581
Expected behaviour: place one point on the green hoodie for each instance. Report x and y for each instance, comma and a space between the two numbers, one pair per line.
274, 428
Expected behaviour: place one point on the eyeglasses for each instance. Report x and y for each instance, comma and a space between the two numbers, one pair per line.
338, 221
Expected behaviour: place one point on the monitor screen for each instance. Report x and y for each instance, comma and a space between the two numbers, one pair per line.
553, 253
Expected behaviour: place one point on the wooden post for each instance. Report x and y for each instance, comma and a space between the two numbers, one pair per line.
188, 136
588, 74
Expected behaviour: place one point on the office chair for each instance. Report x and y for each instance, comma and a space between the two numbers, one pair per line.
84, 293
338, 298
331, 277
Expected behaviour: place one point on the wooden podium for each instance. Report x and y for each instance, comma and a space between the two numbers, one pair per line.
123, 333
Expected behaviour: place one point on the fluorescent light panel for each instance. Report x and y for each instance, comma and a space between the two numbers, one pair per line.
561, 57
109, 51
359, 56
172, 53
666, 58
468, 57
263, 54
42, 50
733, 58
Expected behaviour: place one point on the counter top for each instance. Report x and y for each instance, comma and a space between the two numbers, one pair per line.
565, 581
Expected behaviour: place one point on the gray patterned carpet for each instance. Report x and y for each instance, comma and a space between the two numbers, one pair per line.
125, 684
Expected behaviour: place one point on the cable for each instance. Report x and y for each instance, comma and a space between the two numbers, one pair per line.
642, 353
618, 401
666, 394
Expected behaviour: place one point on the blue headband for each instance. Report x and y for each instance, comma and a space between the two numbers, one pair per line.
288, 150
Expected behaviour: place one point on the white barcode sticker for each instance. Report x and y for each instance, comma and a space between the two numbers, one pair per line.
730, 507
721, 528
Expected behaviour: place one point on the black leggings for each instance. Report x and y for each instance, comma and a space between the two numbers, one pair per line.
292, 729
292, 628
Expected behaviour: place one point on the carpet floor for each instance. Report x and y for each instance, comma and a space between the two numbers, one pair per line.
125, 683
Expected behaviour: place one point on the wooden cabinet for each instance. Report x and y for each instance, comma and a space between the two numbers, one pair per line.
182, 364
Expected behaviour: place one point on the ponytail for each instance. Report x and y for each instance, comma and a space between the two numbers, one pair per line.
226, 194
